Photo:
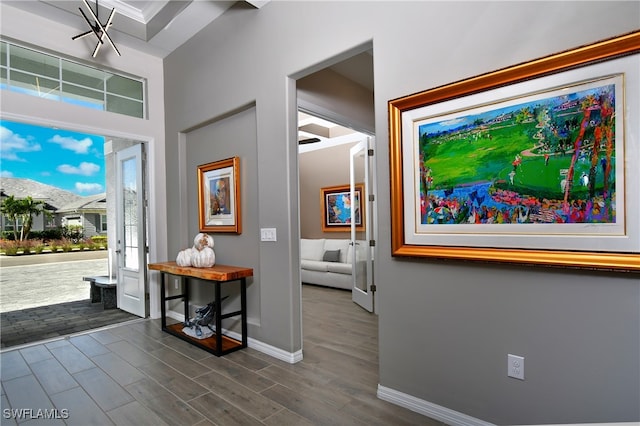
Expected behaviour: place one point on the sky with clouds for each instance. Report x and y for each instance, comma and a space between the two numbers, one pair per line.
68, 160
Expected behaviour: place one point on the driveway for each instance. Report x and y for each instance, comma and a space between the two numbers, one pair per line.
29, 281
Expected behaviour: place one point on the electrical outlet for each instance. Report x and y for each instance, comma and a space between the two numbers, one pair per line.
267, 234
515, 366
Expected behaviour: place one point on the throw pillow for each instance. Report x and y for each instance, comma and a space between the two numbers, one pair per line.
331, 256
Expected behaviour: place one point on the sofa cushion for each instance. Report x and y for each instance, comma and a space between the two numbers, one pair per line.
338, 244
312, 249
331, 256
340, 268
314, 265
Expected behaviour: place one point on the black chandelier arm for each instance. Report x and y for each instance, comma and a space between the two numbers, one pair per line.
97, 48
97, 28
109, 23
82, 35
104, 31
93, 29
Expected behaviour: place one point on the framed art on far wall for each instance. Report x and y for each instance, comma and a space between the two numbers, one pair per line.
336, 207
534, 163
219, 196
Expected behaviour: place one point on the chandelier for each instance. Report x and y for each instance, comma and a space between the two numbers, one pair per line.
97, 28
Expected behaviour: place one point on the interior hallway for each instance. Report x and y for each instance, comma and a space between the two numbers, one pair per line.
135, 374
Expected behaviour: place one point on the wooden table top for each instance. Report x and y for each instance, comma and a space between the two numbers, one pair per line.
214, 273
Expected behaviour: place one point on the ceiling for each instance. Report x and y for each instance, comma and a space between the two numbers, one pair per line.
158, 27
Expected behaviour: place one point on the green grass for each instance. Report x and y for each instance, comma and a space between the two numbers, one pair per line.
465, 160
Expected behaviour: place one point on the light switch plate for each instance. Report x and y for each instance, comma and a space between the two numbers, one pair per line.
268, 234
515, 366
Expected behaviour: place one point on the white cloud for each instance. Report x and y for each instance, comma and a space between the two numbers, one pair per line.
78, 146
84, 169
89, 188
5, 173
452, 122
12, 143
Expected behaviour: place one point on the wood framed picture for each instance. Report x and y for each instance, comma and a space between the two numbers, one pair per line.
337, 207
535, 163
219, 196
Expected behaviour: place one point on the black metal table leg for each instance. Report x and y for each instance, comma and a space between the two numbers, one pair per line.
218, 306
243, 308
184, 288
163, 301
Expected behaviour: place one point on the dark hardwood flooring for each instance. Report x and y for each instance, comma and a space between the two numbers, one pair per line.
134, 374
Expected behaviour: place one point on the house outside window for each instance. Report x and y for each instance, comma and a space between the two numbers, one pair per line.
9, 225
50, 222
103, 223
72, 221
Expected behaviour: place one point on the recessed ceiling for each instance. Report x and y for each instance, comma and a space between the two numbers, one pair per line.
311, 127
156, 27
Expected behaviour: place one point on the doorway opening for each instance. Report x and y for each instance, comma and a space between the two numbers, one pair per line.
336, 212
336, 125
48, 281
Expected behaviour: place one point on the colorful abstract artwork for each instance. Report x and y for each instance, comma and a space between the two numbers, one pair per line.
548, 160
534, 163
337, 207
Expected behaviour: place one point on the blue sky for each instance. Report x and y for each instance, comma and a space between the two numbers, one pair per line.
68, 160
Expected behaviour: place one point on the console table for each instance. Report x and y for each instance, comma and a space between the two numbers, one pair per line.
218, 344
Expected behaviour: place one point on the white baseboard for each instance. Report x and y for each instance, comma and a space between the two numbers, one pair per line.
290, 357
429, 409
455, 418
175, 315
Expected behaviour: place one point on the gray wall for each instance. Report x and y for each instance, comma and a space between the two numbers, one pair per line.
326, 91
445, 327
231, 136
319, 169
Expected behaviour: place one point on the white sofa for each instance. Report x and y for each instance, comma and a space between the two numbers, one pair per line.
321, 265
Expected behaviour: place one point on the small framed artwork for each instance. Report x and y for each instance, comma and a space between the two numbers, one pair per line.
219, 196
337, 205
535, 163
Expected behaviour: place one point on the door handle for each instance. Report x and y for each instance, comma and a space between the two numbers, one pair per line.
118, 251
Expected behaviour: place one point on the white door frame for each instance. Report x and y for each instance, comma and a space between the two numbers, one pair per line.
156, 213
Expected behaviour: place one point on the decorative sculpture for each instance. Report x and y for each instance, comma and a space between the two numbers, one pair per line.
201, 255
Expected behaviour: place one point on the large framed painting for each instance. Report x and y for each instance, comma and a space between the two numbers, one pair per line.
337, 206
219, 196
535, 163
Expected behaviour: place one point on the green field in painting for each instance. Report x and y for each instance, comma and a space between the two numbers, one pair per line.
465, 159
468, 157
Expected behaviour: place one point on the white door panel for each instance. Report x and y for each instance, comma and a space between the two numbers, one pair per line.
362, 261
131, 238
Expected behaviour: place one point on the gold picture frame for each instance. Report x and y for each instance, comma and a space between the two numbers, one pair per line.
336, 205
426, 223
219, 196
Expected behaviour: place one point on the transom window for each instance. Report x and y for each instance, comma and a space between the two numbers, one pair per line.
40, 74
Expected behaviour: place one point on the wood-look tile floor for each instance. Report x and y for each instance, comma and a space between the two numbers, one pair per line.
134, 374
